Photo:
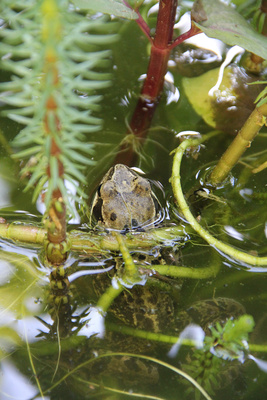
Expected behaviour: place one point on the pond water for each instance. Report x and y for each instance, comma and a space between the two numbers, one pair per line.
75, 351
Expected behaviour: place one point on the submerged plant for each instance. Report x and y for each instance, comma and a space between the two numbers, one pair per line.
51, 52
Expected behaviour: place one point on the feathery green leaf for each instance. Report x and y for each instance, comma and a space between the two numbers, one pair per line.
54, 55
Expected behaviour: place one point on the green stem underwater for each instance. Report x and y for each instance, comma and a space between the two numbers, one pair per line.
179, 196
108, 297
175, 271
239, 145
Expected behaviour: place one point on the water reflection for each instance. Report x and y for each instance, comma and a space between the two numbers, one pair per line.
23, 389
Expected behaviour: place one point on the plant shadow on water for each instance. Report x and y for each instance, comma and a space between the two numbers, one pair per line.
186, 320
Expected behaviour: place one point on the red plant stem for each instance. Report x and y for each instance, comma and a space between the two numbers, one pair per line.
154, 81
162, 45
56, 225
140, 21
165, 23
159, 57
194, 30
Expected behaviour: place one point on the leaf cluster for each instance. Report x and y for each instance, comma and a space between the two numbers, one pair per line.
229, 341
251, 9
206, 370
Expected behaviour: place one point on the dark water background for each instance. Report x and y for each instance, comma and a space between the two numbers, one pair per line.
35, 347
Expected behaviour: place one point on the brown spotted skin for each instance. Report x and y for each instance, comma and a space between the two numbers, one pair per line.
124, 200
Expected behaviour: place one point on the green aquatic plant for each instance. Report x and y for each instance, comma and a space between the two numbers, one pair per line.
52, 53
229, 250
55, 73
231, 340
225, 341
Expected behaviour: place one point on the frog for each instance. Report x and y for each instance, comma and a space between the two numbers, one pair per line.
124, 201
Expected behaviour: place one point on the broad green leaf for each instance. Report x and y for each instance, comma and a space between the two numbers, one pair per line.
114, 7
223, 22
197, 90
227, 107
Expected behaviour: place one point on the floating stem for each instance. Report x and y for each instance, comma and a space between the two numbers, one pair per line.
86, 243
179, 196
176, 271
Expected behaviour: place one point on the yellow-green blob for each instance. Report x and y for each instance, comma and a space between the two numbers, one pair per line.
227, 105
197, 90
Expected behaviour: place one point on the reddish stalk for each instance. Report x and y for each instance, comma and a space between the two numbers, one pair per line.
56, 224
162, 44
194, 30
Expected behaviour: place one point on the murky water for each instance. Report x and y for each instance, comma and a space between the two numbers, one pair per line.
75, 351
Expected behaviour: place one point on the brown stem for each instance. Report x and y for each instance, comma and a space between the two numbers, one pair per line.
56, 224
165, 23
157, 69
59, 303
194, 30
57, 218
154, 81
149, 98
239, 145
